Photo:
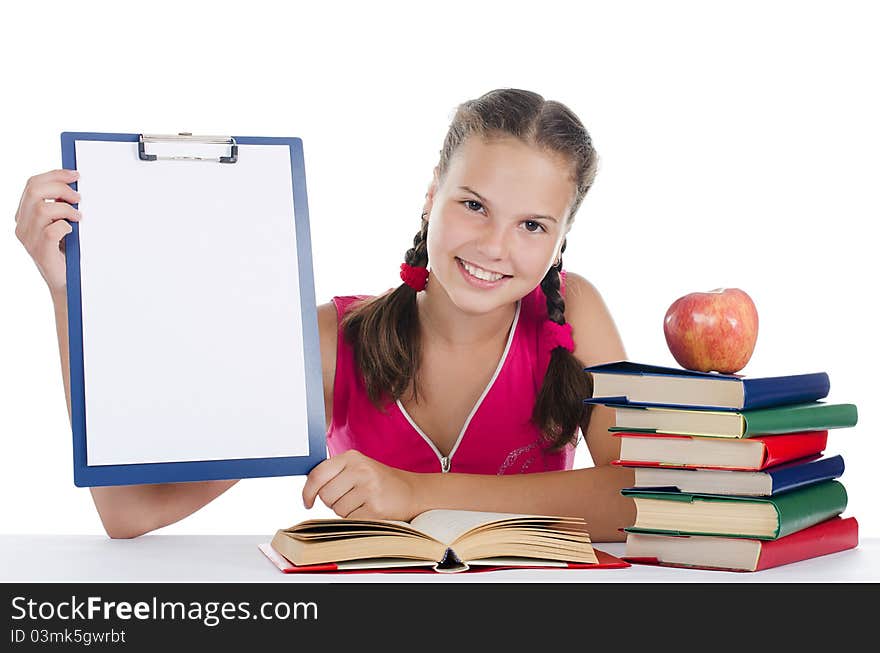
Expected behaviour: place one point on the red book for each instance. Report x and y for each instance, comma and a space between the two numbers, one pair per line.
742, 554
689, 451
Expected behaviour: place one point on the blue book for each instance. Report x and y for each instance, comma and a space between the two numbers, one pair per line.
626, 382
769, 482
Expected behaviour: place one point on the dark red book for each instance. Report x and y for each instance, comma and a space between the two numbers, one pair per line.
649, 450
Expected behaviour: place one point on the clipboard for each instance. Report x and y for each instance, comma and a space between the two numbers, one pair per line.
194, 347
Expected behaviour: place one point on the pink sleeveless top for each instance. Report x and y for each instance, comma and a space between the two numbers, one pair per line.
497, 437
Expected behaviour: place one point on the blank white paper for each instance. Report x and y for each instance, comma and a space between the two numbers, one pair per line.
192, 327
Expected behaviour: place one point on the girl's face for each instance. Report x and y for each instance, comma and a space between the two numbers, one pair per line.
496, 222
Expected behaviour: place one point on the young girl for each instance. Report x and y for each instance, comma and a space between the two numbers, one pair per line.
462, 387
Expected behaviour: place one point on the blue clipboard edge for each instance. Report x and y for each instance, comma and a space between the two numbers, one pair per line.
131, 474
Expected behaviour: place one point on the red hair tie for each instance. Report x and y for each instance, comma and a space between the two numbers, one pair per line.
556, 335
416, 277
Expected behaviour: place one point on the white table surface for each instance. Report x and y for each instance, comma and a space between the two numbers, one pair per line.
236, 558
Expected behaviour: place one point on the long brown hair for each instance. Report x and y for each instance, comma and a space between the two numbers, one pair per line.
384, 330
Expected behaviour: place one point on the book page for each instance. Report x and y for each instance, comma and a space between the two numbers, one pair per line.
314, 529
448, 525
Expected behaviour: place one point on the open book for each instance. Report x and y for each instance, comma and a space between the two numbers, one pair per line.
442, 540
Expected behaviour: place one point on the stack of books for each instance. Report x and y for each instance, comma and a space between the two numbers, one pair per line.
730, 471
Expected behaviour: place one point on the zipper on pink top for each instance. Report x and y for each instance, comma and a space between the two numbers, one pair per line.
446, 461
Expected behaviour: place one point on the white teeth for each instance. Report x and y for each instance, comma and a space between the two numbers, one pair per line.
480, 273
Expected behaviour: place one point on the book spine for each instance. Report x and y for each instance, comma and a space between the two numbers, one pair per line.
799, 417
810, 505
780, 390
830, 536
790, 477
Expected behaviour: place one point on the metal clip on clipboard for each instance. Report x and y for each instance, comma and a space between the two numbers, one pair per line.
187, 137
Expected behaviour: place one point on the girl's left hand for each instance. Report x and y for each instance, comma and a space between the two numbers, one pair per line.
354, 485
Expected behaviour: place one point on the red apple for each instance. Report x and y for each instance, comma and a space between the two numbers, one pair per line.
712, 331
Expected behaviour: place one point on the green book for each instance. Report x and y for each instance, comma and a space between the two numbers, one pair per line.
763, 518
793, 418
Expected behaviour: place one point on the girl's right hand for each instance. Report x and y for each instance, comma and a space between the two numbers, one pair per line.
41, 225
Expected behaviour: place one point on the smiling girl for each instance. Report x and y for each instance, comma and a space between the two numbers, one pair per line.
463, 387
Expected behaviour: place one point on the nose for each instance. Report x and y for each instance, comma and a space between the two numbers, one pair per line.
493, 240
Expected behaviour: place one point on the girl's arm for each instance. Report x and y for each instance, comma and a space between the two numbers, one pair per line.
132, 510
592, 493
357, 486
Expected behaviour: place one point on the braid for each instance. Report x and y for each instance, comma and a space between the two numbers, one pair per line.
385, 334
417, 255
559, 409
550, 285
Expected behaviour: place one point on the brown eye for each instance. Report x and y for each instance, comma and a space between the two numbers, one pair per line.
531, 223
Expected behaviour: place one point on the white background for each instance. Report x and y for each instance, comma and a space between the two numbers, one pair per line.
738, 143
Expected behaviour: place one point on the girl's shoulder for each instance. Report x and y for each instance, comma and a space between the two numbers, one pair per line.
595, 334
344, 302
330, 315
582, 298
577, 289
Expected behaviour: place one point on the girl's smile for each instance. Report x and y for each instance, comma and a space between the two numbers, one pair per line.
480, 277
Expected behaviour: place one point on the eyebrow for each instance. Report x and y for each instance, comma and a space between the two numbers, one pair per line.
485, 201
